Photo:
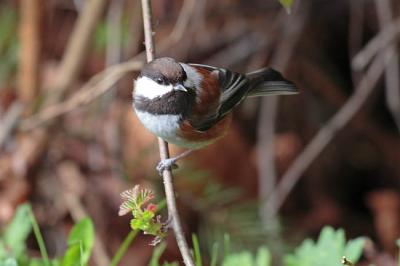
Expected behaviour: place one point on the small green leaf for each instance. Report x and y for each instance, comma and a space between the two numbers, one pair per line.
354, 249
80, 244
136, 224
148, 215
238, 259
196, 250
73, 256
328, 250
263, 257
18, 231
214, 254
227, 243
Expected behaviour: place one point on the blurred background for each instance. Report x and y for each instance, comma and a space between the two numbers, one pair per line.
70, 143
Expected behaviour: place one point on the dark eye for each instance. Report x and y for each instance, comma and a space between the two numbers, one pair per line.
160, 81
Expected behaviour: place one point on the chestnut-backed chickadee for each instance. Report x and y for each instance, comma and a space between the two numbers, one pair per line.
189, 105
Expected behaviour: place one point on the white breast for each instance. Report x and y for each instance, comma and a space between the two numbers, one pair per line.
166, 127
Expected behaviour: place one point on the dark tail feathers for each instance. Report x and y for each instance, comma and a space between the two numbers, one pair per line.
268, 81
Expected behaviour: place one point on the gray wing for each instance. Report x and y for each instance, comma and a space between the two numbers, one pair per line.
236, 87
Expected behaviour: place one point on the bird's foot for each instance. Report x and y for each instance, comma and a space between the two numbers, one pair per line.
168, 223
166, 164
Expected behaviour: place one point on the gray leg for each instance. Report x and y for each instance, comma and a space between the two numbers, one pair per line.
171, 162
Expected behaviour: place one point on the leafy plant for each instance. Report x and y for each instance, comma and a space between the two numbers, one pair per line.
13, 242
331, 249
328, 250
262, 258
13, 239
80, 244
243, 258
136, 201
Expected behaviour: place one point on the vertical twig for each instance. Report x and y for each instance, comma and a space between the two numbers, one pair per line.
293, 28
114, 39
266, 158
29, 31
392, 72
163, 147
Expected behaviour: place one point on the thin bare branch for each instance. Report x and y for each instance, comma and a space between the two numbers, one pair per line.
392, 72
183, 20
163, 146
266, 157
328, 132
78, 45
386, 37
9, 121
94, 88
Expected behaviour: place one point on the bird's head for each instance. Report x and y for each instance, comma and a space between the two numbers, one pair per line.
160, 77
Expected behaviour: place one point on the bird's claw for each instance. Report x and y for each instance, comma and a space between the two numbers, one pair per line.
168, 223
166, 164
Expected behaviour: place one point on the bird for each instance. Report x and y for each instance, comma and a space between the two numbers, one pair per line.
190, 105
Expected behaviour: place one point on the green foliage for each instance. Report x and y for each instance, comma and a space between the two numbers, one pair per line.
196, 251
155, 258
328, 250
15, 235
262, 258
39, 238
136, 201
13, 242
80, 244
331, 249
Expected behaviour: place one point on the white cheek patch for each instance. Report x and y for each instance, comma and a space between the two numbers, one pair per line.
193, 78
150, 89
